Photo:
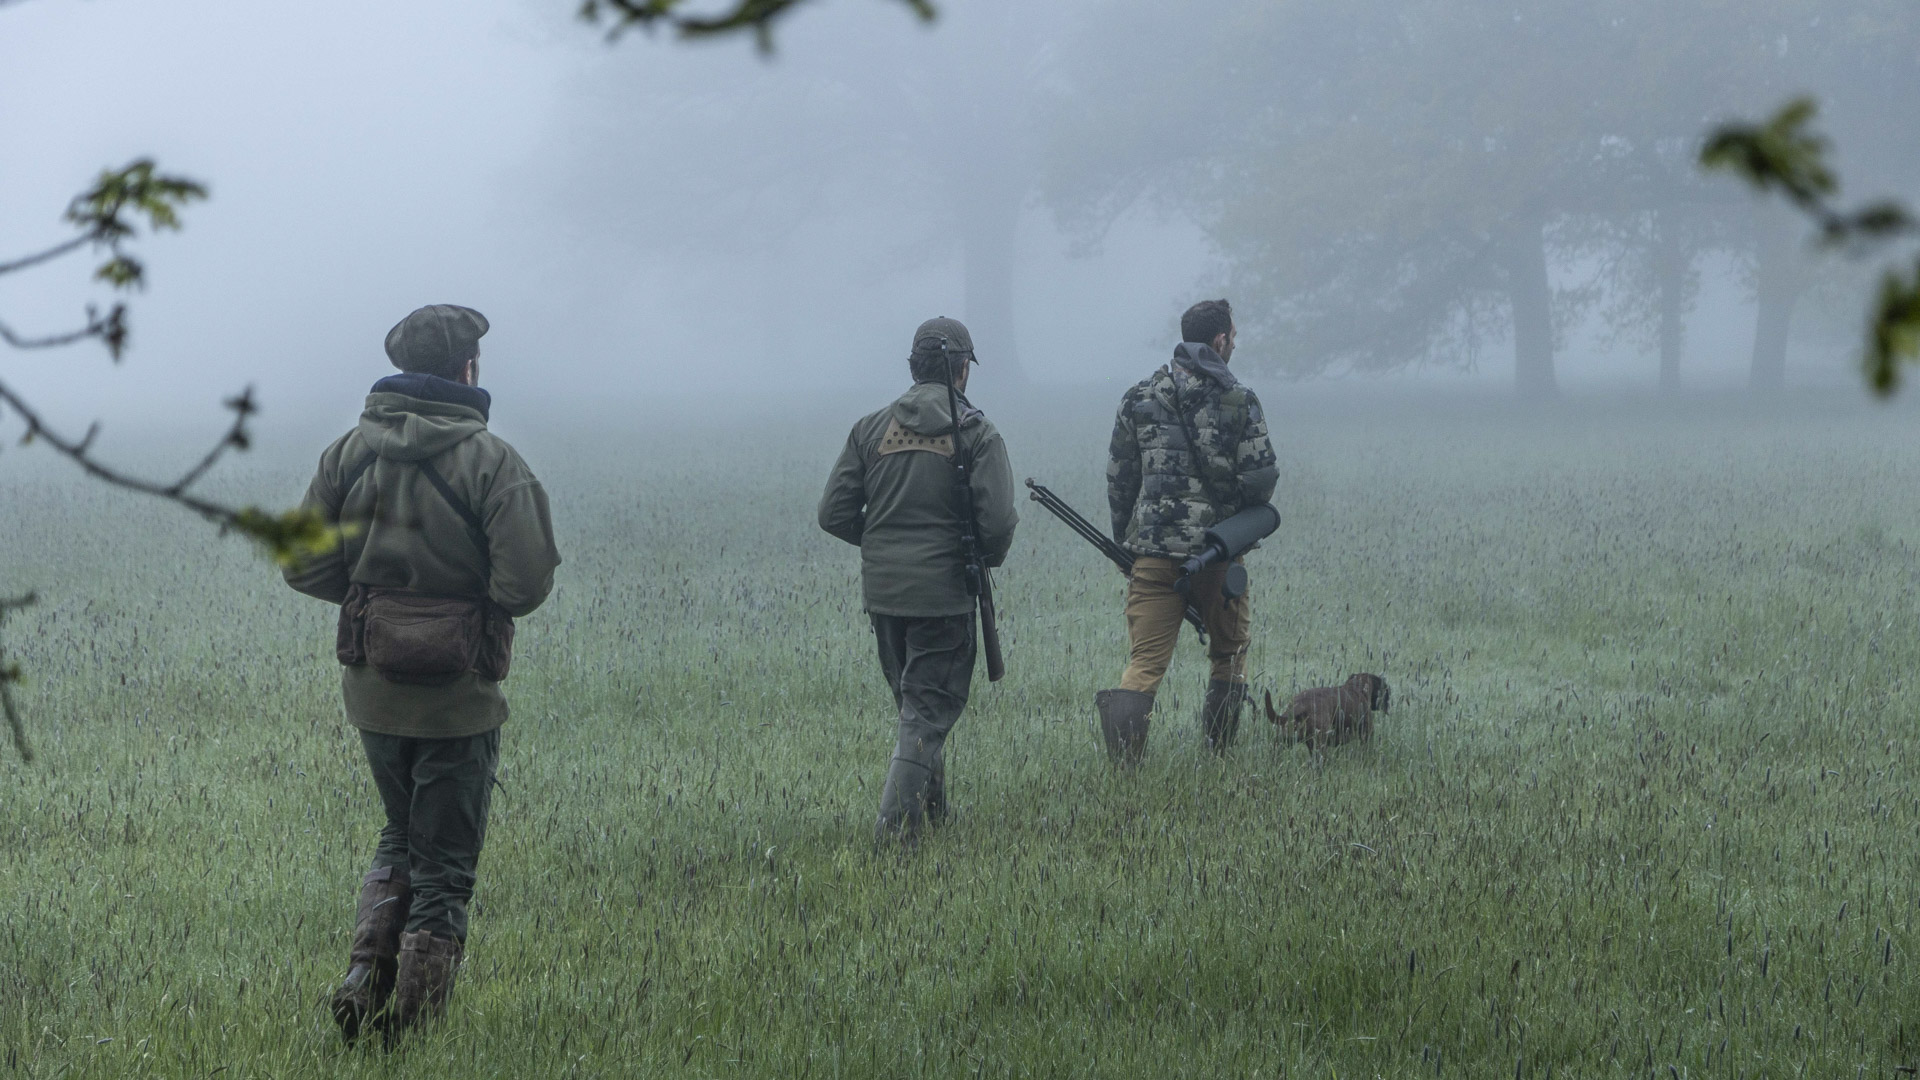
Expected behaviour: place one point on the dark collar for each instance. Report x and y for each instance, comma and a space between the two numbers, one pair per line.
415, 384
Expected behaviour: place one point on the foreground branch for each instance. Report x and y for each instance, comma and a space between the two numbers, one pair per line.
10, 674
110, 328
48, 255
105, 215
1783, 156
288, 536
757, 16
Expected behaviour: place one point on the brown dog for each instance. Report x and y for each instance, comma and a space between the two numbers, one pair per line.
1331, 715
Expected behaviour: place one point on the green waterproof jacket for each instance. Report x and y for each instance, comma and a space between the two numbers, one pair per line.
409, 536
893, 494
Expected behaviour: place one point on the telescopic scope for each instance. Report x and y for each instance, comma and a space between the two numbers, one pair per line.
1229, 540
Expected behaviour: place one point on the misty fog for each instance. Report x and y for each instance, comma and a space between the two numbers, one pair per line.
649, 221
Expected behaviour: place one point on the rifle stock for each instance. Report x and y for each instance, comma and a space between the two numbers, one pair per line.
990, 629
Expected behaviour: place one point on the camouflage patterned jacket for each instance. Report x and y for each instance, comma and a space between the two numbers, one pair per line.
1189, 449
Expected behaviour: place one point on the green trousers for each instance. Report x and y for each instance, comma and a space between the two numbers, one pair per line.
928, 663
436, 793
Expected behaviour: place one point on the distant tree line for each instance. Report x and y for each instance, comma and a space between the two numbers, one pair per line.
1395, 184
1387, 184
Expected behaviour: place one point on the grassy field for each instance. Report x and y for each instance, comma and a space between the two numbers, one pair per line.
1645, 805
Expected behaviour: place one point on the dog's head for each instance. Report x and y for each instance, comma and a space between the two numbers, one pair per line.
1379, 694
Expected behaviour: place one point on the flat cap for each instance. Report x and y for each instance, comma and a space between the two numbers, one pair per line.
436, 338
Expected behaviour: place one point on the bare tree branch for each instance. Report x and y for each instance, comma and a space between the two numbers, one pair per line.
757, 16
80, 452
10, 674
48, 255
112, 328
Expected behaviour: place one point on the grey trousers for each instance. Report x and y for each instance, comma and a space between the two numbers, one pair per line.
436, 793
928, 662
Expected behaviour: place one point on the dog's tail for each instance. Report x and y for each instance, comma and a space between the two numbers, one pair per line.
1272, 717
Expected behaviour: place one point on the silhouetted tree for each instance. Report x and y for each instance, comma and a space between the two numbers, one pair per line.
1392, 184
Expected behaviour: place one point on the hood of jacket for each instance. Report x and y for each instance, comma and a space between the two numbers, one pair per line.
1194, 365
923, 410
1202, 360
412, 417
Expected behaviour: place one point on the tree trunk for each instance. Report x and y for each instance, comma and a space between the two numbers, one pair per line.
1671, 263
1532, 297
1779, 280
990, 231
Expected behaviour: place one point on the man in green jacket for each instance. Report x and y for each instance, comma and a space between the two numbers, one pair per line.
892, 493
447, 538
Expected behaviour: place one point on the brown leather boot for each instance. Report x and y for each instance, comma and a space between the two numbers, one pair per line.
427, 965
374, 955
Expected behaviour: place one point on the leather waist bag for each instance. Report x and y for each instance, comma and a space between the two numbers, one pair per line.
424, 640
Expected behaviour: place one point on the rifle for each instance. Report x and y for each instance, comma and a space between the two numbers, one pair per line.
979, 580
1118, 555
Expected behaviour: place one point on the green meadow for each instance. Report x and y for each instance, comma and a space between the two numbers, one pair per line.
1645, 804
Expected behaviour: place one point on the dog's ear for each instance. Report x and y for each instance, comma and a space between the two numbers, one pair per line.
1272, 717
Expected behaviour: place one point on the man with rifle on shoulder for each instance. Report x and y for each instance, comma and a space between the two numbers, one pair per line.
1189, 472
929, 502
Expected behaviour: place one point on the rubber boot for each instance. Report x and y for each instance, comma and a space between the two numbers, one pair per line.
913, 780
373, 959
937, 791
1220, 713
425, 979
1123, 723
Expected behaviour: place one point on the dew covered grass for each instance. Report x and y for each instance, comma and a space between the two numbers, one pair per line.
1645, 804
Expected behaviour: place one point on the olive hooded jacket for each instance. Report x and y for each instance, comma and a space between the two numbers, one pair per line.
404, 534
892, 493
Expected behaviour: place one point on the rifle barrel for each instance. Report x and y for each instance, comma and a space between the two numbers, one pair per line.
1119, 556
1082, 527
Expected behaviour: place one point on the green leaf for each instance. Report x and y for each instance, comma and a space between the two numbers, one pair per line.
293, 536
1780, 154
1893, 334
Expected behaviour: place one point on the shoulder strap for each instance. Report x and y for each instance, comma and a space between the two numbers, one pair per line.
354, 474
475, 526
446, 492
1192, 433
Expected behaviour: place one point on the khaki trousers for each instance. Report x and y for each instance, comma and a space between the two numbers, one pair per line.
1154, 623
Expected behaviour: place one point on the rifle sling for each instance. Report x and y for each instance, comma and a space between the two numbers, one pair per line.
1192, 434
476, 528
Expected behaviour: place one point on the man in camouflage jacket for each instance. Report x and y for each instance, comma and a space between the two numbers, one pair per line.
892, 493
437, 507
1189, 449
